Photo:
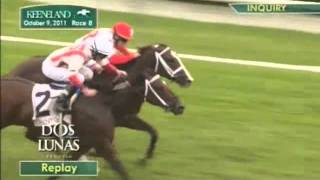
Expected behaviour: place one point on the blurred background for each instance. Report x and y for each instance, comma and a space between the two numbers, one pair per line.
217, 11
241, 122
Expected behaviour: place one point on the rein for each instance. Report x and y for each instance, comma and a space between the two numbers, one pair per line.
148, 87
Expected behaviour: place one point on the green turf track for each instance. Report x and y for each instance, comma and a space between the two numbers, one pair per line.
218, 40
241, 123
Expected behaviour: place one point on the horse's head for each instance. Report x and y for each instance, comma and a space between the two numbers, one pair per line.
158, 93
167, 63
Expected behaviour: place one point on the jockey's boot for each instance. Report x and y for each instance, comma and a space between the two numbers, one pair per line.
63, 101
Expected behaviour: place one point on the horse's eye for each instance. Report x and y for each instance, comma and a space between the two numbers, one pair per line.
172, 60
174, 56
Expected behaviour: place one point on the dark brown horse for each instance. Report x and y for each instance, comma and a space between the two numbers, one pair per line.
93, 119
160, 58
93, 130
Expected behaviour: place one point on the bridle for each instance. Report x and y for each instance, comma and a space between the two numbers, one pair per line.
172, 73
148, 87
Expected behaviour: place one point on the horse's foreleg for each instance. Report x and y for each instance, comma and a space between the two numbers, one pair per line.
136, 123
74, 155
106, 150
33, 133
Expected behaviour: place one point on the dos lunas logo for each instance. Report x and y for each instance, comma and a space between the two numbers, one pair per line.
58, 17
60, 137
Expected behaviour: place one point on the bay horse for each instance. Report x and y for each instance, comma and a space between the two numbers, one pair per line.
159, 57
93, 119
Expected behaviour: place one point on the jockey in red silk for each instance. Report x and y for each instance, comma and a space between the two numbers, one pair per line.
123, 33
118, 36
97, 51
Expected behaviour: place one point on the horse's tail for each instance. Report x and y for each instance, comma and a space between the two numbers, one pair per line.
16, 79
27, 66
16, 101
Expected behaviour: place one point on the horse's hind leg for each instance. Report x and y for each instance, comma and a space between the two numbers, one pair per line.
74, 155
107, 151
136, 123
33, 133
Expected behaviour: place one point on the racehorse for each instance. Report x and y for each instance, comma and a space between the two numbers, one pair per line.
93, 119
93, 130
158, 57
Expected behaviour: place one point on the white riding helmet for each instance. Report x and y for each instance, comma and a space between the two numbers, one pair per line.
103, 45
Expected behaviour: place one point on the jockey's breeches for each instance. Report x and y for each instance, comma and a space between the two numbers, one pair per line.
60, 74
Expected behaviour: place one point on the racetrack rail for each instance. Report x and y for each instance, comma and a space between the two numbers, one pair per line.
314, 69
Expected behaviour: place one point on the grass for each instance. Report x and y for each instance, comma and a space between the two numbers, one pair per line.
241, 123
220, 40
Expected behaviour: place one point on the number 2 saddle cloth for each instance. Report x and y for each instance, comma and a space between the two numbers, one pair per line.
44, 98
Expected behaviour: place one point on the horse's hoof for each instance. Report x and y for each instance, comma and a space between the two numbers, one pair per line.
142, 162
125, 178
149, 156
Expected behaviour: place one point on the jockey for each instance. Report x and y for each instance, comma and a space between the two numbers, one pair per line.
75, 64
118, 36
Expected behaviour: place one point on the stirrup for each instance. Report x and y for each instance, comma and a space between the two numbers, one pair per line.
62, 104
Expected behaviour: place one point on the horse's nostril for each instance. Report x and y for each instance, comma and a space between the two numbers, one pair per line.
187, 83
181, 108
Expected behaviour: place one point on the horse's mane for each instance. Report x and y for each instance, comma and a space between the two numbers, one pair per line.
19, 79
143, 49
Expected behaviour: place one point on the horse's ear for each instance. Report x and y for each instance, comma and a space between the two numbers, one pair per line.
142, 50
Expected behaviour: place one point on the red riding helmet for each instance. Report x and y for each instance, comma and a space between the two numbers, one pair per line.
124, 30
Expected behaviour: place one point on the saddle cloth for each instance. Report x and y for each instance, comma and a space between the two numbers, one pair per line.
44, 100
